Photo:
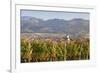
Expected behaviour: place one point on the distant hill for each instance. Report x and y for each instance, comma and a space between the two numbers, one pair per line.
75, 26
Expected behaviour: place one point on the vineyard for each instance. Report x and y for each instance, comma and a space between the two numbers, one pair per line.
44, 50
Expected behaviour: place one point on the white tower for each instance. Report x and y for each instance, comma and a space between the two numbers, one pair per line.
68, 38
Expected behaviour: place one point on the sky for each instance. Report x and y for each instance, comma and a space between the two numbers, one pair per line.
45, 15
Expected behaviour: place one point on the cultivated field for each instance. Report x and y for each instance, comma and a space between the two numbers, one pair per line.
39, 49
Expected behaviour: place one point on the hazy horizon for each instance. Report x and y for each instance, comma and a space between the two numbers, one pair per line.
46, 15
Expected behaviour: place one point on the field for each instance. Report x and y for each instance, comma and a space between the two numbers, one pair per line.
54, 49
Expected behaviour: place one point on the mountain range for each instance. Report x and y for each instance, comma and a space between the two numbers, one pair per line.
74, 26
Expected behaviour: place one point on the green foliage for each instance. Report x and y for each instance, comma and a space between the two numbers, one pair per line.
40, 50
